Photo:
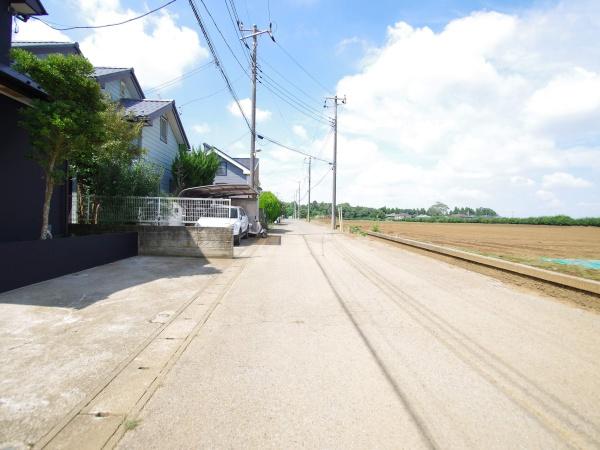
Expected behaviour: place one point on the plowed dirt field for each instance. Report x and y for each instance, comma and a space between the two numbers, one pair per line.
528, 244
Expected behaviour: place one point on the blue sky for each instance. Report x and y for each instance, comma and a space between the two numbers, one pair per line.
481, 103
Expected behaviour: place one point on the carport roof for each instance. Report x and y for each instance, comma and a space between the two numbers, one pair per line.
219, 191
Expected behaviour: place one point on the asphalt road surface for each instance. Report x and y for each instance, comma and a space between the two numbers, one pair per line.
330, 341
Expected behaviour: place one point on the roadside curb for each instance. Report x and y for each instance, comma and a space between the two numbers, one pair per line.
580, 284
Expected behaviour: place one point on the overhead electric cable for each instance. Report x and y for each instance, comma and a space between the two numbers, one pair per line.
218, 63
308, 114
295, 61
182, 77
291, 95
273, 141
287, 80
103, 26
223, 37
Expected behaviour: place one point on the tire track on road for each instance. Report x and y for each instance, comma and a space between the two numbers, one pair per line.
415, 416
554, 415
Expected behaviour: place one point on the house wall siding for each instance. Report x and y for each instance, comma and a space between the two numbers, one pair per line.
235, 175
22, 183
160, 153
112, 89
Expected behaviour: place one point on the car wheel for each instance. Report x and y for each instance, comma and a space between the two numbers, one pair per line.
236, 240
246, 233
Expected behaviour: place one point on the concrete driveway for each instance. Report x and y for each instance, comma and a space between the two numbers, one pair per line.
59, 339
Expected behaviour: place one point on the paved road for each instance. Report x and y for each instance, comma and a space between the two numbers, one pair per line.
329, 341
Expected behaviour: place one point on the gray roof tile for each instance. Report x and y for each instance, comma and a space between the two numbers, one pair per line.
103, 71
143, 108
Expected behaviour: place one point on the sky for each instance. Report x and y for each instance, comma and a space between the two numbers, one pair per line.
467, 102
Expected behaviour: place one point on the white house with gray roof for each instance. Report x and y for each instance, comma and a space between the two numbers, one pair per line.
163, 132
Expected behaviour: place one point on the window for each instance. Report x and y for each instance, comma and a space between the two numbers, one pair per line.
122, 89
163, 129
222, 170
233, 213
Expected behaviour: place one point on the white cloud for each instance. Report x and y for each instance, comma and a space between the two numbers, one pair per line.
549, 199
474, 113
201, 128
521, 181
262, 115
565, 180
155, 46
34, 30
300, 131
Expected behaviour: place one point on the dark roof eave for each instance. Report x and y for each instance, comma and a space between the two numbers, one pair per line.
21, 83
35, 5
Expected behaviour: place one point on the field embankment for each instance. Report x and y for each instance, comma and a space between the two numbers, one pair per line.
526, 244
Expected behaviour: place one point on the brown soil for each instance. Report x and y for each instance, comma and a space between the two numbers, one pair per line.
527, 244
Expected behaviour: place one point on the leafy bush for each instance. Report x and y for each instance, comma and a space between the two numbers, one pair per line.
375, 228
271, 205
194, 168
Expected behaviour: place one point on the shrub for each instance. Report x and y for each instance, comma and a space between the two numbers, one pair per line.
271, 205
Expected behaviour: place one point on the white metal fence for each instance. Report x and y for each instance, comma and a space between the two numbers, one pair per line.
147, 210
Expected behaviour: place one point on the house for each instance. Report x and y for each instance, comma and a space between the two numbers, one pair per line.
233, 170
398, 216
163, 133
21, 179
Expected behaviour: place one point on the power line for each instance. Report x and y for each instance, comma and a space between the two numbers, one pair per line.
289, 94
218, 63
182, 77
273, 141
235, 21
205, 96
317, 183
107, 25
287, 80
297, 107
223, 37
301, 67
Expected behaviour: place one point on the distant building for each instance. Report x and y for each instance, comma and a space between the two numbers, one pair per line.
234, 170
398, 216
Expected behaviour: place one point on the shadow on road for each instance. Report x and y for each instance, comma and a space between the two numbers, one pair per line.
82, 289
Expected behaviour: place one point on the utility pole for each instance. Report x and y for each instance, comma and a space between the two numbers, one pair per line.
254, 34
308, 206
336, 100
299, 192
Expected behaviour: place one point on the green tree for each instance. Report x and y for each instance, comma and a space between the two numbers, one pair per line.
68, 122
194, 168
438, 209
104, 169
270, 204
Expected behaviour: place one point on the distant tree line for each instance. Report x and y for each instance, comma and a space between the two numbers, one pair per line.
350, 212
438, 212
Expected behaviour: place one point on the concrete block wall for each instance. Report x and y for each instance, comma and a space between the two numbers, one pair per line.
171, 241
185, 241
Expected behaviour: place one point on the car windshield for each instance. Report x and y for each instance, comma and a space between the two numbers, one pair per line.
233, 213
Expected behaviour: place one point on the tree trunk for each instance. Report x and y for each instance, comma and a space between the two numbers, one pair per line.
45, 233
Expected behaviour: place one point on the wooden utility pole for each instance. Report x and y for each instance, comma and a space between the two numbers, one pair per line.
254, 34
336, 101
308, 206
